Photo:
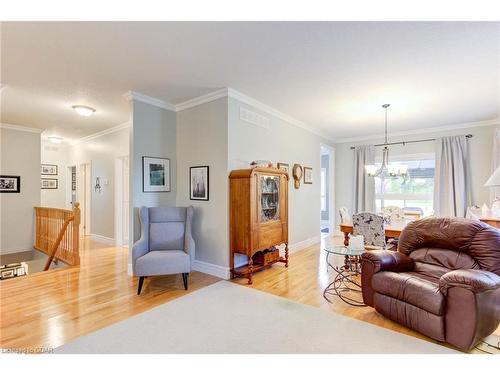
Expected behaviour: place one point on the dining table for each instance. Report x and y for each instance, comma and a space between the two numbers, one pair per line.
392, 230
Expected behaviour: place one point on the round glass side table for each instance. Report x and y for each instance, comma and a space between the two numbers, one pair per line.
344, 285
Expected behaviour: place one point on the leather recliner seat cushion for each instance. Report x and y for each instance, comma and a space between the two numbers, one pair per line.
412, 288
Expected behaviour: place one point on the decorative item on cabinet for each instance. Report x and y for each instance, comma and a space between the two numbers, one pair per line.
261, 163
284, 166
297, 175
258, 218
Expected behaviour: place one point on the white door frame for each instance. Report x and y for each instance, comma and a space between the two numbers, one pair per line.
119, 198
84, 194
331, 187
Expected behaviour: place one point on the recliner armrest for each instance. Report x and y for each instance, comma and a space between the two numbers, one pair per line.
386, 260
476, 281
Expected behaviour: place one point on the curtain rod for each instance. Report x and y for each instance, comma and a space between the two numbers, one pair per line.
405, 142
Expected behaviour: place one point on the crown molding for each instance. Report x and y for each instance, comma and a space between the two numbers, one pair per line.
21, 128
133, 95
90, 137
274, 112
210, 97
435, 129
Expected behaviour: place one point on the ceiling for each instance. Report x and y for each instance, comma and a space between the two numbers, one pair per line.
333, 76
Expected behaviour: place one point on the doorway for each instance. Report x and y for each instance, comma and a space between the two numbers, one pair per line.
83, 192
122, 200
327, 216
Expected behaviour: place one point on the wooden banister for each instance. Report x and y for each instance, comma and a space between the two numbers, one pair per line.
58, 234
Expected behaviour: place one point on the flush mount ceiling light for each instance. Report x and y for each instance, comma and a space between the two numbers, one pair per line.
55, 139
83, 110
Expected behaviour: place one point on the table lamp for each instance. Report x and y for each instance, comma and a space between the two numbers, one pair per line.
493, 181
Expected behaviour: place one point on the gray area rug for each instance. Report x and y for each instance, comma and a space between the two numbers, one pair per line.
229, 318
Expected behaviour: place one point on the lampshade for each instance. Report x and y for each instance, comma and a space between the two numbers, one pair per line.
494, 179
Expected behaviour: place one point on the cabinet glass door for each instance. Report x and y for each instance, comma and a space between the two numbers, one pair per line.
269, 198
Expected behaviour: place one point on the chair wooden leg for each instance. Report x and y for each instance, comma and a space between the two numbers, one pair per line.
141, 280
185, 280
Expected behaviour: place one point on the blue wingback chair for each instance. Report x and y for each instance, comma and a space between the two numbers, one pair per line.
166, 245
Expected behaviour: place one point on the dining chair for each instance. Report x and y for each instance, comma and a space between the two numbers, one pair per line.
344, 215
372, 227
393, 213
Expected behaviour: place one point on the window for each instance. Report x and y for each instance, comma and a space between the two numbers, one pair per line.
416, 191
323, 189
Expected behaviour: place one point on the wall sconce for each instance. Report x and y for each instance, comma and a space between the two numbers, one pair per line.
97, 187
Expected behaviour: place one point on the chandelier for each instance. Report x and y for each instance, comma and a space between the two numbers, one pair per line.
386, 170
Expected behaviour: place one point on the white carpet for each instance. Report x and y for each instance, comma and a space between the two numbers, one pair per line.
229, 318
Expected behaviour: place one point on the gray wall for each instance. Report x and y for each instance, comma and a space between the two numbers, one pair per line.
153, 134
19, 156
481, 149
202, 140
325, 160
101, 152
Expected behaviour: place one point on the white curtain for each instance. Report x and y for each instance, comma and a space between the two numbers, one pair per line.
452, 193
363, 186
495, 163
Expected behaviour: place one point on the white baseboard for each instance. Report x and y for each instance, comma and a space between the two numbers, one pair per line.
212, 269
103, 239
130, 270
293, 248
13, 251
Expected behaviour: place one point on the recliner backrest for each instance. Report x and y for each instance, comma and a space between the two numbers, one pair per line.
466, 242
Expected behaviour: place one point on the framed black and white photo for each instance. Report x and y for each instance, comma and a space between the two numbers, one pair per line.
155, 174
48, 169
308, 175
198, 183
49, 183
10, 184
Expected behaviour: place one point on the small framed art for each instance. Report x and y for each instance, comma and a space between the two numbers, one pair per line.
48, 183
308, 175
284, 166
155, 174
10, 184
198, 183
48, 169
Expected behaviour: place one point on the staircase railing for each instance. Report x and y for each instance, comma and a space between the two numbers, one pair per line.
57, 234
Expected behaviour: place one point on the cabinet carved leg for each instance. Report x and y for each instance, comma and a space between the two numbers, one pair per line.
286, 255
250, 270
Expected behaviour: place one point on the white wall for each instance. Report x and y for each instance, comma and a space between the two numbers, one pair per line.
153, 134
19, 156
55, 155
481, 148
101, 152
202, 140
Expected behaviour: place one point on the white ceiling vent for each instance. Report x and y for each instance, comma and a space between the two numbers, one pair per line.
254, 118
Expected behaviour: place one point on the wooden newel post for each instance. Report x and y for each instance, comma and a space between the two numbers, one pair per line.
76, 232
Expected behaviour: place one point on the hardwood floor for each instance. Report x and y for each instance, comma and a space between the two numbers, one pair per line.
49, 309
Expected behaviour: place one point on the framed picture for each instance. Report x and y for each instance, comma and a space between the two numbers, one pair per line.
73, 186
308, 175
48, 169
10, 184
73, 178
155, 174
284, 166
48, 183
198, 183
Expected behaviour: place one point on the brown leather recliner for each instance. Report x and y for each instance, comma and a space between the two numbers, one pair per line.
444, 280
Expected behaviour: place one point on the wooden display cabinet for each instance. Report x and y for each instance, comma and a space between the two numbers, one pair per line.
258, 215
